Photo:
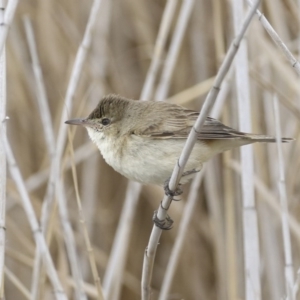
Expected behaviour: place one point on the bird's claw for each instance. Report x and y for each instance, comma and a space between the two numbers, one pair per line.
165, 224
170, 193
190, 172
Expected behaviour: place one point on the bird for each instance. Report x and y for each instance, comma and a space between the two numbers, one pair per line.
142, 140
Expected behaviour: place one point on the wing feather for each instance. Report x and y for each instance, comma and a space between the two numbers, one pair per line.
179, 124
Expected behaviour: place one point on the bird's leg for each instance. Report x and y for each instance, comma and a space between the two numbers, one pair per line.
165, 224
178, 190
190, 172
170, 193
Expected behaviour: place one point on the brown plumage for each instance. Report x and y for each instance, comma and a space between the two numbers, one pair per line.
168, 121
143, 139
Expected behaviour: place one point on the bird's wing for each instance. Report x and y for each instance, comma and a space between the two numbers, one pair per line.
179, 123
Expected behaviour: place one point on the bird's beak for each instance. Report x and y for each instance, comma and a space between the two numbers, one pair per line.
83, 122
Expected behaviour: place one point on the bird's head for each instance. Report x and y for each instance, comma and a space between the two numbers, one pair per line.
106, 120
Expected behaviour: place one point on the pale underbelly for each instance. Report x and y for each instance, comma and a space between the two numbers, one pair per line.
152, 161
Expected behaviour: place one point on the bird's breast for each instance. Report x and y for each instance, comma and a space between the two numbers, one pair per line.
148, 160
110, 148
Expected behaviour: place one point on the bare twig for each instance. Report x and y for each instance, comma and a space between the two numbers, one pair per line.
289, 272
277, 40
35, 228
40, 89
250, 225
89, 174
48, 130
49, 136
268, 197
164, 85
116, 264
54, 177
85, 232
182, 231
296, 285
75, 76
8, 17
193, 92
158, 50
191, 203
17, 283
178, 170
80, 58
2, 150
69, 240
39, 178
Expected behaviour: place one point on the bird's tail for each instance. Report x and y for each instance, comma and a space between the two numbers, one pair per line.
268, 139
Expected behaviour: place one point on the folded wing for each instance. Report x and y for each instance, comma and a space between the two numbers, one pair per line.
179, 124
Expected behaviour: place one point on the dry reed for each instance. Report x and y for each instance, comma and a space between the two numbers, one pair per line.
128, 47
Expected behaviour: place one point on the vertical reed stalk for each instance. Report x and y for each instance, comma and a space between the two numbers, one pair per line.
2, 154
250, 228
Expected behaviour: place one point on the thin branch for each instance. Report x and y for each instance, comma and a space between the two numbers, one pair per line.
268, 197
36, 275
35, 228
116, 264
158, 50
193, 92
69, 240
17, 283
49, 136
2, 151
296, 285
73, 83
191, 203
165, 81
48, 132
82, 153
85, 230
75, 76
277, 40
250, 224
54, 177
40, 89
89, 175
8, 18
181, 235
289, 272
178, 170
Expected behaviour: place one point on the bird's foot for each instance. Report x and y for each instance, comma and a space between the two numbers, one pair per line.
165, 224
170, 193
178, 190
190, 172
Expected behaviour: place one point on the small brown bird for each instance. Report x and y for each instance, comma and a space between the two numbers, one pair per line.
142, 140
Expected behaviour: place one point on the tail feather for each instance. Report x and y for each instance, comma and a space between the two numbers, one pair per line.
268, 139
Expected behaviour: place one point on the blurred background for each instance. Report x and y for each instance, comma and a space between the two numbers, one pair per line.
122, 46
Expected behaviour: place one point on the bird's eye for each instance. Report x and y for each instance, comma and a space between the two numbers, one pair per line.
105, 121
